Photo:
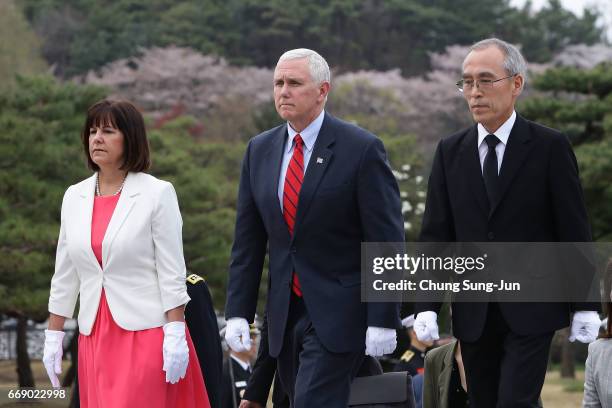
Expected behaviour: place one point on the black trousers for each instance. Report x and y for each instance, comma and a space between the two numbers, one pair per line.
504, 369
312, 375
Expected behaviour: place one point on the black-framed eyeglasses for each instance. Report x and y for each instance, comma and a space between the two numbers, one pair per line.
468, 84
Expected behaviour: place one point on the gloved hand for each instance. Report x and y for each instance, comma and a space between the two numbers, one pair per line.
52, 355
585, 327
426, 326
237, 334
176, 351
408, 321
380, 340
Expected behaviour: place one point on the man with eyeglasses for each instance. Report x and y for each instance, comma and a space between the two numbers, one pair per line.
505, 179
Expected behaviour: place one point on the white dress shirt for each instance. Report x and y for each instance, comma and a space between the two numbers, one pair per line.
309, 136
503, 133
245, 366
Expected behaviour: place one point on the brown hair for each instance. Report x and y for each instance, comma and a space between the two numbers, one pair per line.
608, 302
124, 116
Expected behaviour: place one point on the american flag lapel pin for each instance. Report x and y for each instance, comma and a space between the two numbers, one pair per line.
319, 160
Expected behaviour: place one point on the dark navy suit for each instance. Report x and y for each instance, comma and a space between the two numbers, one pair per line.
349, 195
541, 200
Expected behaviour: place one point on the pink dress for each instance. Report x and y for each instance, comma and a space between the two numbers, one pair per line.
121, 368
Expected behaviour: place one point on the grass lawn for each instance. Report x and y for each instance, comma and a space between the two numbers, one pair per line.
8, 381
561, 392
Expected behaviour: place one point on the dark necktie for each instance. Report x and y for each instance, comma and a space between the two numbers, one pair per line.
291, 195
491, 177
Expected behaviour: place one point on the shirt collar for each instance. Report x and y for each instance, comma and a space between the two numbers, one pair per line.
309, 135
503, 133
245, 366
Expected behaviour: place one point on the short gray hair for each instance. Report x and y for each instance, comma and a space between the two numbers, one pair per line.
514, 62
319, 70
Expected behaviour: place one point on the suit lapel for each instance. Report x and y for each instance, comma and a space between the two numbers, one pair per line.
126, 201
272, 162
319, 160
84, 214
470, 160
515, 154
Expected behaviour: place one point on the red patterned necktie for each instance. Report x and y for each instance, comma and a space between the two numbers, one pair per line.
291, 195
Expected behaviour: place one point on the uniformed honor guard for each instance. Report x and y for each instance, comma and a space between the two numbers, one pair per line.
236, 372
413, 359
202, 323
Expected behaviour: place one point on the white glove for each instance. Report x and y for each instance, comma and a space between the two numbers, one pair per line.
426, 326
408, 322
176, 351
585, 327
52, 355
237, 334
380, 340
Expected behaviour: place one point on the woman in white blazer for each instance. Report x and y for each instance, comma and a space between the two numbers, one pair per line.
598, 367
120, 249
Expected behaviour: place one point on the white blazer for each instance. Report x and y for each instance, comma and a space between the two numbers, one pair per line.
143, 270
598, 375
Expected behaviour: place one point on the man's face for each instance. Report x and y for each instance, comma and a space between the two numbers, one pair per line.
491, 106
298, 99
414, 340
252, 352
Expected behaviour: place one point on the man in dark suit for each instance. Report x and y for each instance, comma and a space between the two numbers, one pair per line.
264, 370
507, 180
313, 190
413, 358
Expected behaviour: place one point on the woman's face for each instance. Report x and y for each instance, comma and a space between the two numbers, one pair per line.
106, 146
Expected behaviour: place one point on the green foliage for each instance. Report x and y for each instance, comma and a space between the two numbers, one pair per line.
375, 109
19, 46
265, 117
205, 176
40, 156
408, 165
596, 81
595, 160
581, 120
85, 34
579, 103
553, 28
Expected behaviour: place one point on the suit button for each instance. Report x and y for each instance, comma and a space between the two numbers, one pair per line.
491, 236
293, 250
